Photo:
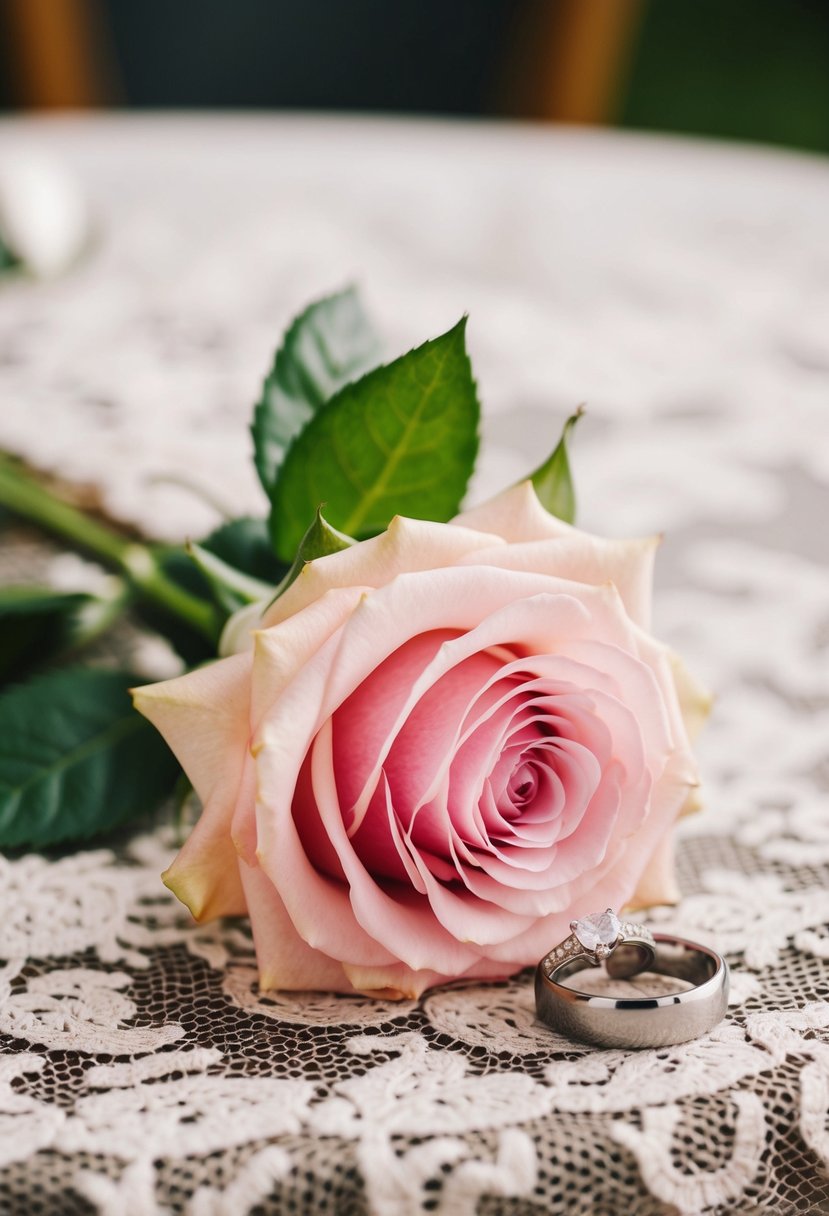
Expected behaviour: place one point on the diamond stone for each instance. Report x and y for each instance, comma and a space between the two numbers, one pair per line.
597, 929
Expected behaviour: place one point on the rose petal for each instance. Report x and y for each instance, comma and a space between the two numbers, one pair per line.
408, 545
542, 621
658, 885
394, 915
695, 701
285, 960
204, 718
204, 874
361, 722
537, 540
395, 983
515, 514
284, 650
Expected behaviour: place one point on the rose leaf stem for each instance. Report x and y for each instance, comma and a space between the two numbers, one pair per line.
25, 497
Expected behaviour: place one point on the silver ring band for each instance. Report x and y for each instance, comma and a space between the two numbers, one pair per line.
658, 1021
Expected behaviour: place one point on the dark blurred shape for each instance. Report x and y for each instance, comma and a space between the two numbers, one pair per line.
568, 61
746, 69
556, 59
410, 55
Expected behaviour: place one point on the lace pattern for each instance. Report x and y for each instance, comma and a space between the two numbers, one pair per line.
141, 1070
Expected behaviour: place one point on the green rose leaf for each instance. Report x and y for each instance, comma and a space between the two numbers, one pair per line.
319, 541
38, 624
329, 344
76, 759
35, 625
402, 440
553, 480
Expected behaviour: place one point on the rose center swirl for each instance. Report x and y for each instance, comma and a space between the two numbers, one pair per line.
494, 766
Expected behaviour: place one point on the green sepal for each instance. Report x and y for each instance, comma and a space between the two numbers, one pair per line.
553, 480
320, 540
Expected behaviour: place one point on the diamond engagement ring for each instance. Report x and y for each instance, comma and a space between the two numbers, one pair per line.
627, 949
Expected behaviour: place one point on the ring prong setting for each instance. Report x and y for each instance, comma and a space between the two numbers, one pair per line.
598, 932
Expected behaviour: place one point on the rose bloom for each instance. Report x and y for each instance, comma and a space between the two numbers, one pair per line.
438, 747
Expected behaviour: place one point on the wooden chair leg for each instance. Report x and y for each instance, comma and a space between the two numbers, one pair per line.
61, 55
569, 58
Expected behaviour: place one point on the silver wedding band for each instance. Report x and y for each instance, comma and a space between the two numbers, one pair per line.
636, 1022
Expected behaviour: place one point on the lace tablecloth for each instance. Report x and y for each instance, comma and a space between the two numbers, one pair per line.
683, 291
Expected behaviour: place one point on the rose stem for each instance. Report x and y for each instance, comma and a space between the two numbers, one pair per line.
23, 495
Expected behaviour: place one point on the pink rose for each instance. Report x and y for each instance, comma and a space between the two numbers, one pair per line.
444, 743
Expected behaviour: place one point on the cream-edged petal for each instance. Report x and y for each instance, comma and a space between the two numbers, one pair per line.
209, 889
516, 515
695, 701
395, 983
682, 763
237, 635
537, 540
658, 884
204, 717
407, 546
401, 983
583, 558
282, 650
694, 802
204, 875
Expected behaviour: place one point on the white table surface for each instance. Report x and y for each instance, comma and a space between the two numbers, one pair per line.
681, 288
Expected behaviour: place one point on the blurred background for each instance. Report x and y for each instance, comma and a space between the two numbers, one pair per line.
178, 179
745, 69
